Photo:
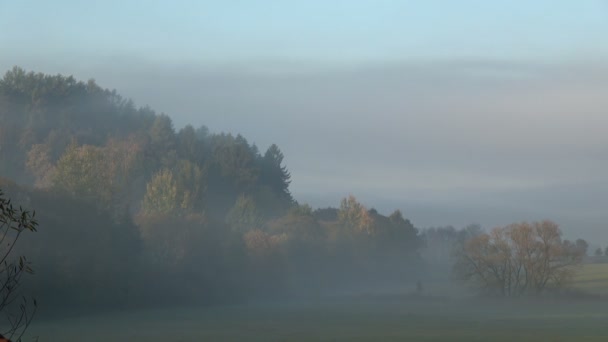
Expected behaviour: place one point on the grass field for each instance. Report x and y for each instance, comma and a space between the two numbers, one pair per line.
593, 278
362, 318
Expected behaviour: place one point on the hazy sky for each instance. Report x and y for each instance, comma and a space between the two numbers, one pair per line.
453, 111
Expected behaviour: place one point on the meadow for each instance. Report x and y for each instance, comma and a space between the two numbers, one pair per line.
355, 318
593, 278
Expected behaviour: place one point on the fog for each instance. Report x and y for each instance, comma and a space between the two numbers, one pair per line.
440, 139
211, 224
344, 170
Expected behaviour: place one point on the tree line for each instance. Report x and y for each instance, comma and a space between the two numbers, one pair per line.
133, 208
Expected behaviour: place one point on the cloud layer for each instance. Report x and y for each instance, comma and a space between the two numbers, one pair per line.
526, 138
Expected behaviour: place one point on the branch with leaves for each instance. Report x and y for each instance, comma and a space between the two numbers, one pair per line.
17, 310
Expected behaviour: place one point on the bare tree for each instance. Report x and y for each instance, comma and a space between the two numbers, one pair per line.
519, 259
17, 311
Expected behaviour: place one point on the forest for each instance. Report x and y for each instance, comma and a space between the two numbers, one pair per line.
135, 213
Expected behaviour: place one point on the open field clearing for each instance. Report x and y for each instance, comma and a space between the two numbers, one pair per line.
347, 319
593, 278
355, 318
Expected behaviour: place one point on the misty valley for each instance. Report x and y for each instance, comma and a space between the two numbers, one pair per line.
118, 226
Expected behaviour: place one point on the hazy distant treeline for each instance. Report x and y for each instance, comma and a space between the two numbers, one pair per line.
132, 210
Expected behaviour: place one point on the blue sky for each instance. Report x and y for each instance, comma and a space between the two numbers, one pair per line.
453, 111
328, 32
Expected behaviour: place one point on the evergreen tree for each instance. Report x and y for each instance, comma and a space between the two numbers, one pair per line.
274, 174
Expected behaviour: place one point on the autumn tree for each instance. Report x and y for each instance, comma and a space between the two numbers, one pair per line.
81, 173
354, 216
103, 174
522, 258
123, 164
161, 196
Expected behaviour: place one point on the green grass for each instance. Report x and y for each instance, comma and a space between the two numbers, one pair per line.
592, 278
364, 318
353, 319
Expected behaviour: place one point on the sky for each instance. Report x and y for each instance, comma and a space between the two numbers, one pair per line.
453, 111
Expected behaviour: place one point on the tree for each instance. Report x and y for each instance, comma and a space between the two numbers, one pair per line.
606, 251
188, 145
123, 164
582, 245
274, 173
162, 134
191, 185
265, 263
441, 243
40, 165
161, 194
81, 172
353, 215
272, 188
519, 259
244, 216
599, 252
299, 224
403, 232
72, 252
235, 160
13, 222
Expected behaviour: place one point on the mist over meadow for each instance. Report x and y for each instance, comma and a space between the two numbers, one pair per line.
345, 170
195, 216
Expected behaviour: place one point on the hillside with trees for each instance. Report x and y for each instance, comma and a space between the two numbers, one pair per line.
134, 212
133, 209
